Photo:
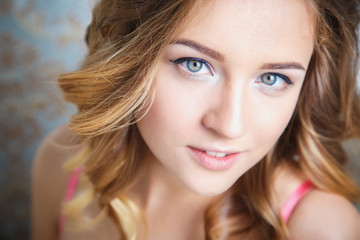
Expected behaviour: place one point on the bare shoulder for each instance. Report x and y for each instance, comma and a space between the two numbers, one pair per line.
58, 146
323, 215
49, 181
319, 215
286, 180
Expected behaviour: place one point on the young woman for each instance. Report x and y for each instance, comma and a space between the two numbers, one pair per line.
207, 120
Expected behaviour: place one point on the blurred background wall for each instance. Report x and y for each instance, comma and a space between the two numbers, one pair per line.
40, 39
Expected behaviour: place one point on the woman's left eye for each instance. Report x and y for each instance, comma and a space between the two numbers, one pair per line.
194, 66
275, 80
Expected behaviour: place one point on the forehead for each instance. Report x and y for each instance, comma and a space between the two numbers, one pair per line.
252, 26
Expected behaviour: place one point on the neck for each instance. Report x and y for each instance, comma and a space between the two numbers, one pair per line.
159, 194
157, 185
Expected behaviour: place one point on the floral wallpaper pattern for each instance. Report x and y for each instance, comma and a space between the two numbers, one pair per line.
40, 39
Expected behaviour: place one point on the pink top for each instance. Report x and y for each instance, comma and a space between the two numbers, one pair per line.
286, 210
294, 199
70, 191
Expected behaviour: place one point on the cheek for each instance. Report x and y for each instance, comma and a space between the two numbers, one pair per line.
167, 118
155, 123
269, 123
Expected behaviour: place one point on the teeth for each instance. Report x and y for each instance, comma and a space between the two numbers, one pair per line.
221, 154
211, 153
216, 154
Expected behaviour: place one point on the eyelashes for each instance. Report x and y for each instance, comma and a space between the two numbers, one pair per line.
197, 68
194, 67
274, 82
271, 78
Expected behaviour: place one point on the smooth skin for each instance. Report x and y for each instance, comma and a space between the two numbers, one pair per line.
229, 84
226, 105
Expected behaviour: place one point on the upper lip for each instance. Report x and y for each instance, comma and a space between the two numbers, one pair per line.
219, 150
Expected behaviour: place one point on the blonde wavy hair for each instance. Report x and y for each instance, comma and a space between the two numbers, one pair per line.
113, 89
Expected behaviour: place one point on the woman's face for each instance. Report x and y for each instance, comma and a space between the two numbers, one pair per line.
227, 88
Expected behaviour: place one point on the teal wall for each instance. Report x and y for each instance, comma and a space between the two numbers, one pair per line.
39, 39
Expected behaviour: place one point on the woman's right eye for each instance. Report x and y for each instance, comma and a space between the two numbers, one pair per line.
194, 67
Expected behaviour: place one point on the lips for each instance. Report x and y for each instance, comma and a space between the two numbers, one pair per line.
213, 160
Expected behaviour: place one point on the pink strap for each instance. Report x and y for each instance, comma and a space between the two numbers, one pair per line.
294, 199
70, 191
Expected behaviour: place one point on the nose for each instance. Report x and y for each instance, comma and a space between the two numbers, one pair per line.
227, 116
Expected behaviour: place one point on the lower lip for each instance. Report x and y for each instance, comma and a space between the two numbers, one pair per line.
213, 163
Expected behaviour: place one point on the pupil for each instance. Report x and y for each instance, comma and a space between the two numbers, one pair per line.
269, 79
194, 66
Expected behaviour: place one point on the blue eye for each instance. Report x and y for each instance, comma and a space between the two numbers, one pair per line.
269, 79
194, 66
273, 83
274, 79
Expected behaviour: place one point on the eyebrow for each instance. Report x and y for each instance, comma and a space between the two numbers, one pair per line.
201, 48
288, 65
218, 56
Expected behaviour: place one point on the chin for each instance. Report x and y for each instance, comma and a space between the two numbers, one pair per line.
208, 189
